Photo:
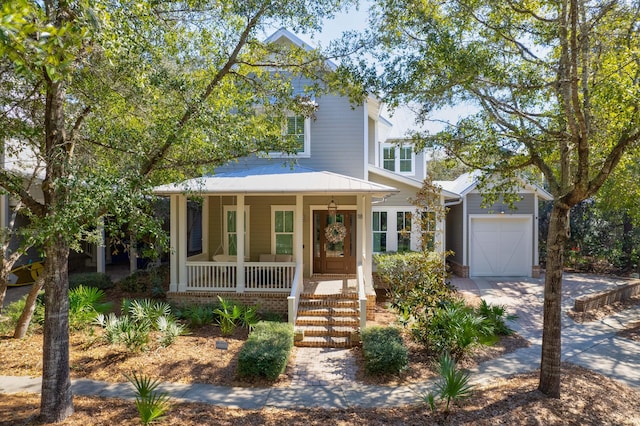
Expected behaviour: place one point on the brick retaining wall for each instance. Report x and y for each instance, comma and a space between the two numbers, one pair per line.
596, 300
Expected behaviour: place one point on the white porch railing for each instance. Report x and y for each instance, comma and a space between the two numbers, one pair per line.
211, 276
362, 298
269, 276
294, 296
222, 276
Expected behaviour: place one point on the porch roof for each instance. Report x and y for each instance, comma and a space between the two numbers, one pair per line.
276, 179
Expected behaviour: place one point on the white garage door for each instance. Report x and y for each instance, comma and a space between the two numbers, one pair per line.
500, 246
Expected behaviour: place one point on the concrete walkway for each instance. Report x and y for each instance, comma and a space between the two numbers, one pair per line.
325, 377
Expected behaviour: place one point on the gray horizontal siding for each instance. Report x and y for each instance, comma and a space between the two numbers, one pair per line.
524, 206
337, 141
399, 199
454, 234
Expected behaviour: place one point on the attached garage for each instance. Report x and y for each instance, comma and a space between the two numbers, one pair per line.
500, 245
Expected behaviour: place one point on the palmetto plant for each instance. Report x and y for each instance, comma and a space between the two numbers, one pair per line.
453, 384
151, 404
228, 314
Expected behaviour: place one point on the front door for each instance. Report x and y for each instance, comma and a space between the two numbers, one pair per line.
333, 253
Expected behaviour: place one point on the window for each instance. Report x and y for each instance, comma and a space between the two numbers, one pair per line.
403, 226
398, 158
230, 242
282, 224
299, 128
379, 232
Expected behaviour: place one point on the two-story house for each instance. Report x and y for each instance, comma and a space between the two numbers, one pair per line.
296, 234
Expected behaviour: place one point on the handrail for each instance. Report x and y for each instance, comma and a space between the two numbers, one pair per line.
362, 298
294, 296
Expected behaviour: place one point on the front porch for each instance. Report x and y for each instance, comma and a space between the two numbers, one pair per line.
261, 237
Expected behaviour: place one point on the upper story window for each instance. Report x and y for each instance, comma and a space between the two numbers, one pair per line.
297, 127
398, 158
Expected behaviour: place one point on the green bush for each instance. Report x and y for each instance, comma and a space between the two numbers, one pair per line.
417, 284
85, 303
195, 315
453, 384
135, 283
455, 328
91, 279
266, 351
496, 316
384, 351
12, 312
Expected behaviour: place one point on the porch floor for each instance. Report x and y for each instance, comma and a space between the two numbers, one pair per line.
331, 284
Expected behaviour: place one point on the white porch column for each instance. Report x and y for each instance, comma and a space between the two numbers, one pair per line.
360, 231
100, 248
173, 250
182, 243
299, 229
205, 226
536, 255
368, 236
240, 235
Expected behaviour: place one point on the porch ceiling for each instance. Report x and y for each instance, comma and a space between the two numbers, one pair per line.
277, 179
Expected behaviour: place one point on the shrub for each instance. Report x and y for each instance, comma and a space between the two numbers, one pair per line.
230, 314
496, 316
455, 328
134, 283
169, 330
151, 404
85, 303
12, 312
124, 330
91, 279
195, 315
266, 351
417, 284
384, 351
453, 384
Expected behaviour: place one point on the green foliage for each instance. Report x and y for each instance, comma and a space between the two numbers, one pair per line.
384, 351
146, 309
124, 330
195, 315
91, 279
134, 283
85, 303
453, 384
266, 351
230, 314
456, 329
169, 330
151, 404
12, 312
416, 283
496, 316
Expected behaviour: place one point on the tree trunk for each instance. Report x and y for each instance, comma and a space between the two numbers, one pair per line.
551, 332
30, 305
56, 402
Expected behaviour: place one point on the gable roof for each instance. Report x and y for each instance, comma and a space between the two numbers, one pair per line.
467, 182
276, 179
406, 180
284, 34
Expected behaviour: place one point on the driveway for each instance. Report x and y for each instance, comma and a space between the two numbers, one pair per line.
593, 345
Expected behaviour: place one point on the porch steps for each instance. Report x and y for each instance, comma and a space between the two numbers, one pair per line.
328, 320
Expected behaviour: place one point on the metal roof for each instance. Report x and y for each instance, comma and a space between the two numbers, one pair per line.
276, 179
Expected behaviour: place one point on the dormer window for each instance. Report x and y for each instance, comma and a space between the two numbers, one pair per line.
398, 158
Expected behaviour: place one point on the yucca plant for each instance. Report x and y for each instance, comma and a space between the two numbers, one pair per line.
228, 314
148, 310
151, 404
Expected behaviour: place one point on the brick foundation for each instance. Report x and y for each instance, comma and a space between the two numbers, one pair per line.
459, 270
536, 270
265, 302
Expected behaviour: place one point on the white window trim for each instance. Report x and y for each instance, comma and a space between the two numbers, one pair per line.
306, 152
392, 227
225, 234
274, 209
396, 157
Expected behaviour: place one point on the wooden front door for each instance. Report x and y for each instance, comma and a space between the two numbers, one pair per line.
337, 257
